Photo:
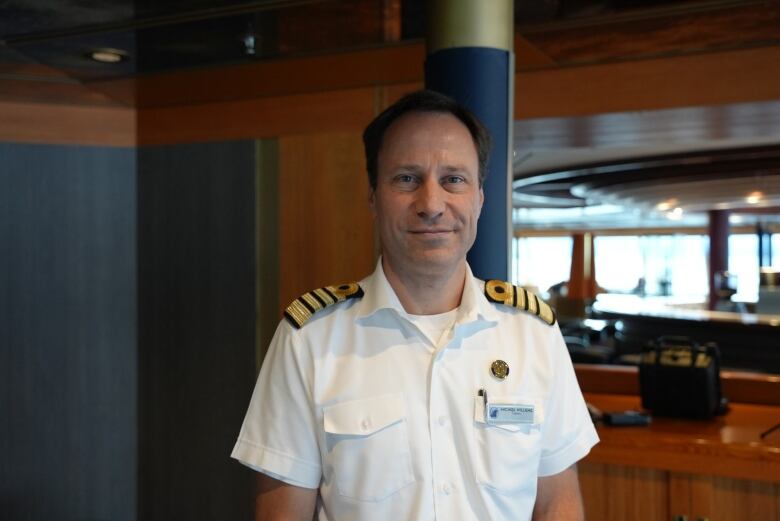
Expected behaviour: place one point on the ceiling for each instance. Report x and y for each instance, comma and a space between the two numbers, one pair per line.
651, 162
45, 48
51, 40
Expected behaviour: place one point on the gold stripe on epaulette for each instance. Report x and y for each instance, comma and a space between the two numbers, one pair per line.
547, 313
297, 313
522, 298
326, 297
314, 304
305, 306
533, 303
513, 296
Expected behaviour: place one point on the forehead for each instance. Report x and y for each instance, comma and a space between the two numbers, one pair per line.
417, 134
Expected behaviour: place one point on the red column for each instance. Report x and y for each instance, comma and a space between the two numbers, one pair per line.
582, 277
719, 248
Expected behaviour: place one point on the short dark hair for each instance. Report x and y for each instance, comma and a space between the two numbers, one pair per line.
424, 101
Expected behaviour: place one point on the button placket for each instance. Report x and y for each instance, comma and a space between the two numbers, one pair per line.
443, 451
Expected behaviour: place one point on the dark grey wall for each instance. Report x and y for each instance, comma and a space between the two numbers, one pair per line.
68, 357
196, 236
127, 331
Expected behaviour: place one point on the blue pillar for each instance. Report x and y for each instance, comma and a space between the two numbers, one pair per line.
471, 59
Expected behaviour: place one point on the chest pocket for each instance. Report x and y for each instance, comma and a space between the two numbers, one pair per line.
367, 448
508, 454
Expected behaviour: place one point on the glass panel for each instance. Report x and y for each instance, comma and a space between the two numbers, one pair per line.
541, 262
619, 263
743, 262
662, 265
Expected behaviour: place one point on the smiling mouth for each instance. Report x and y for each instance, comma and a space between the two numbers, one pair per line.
431, 234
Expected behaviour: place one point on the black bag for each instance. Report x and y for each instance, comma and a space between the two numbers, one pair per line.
678, 377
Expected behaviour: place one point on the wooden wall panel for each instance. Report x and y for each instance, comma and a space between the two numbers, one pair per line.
257, 118
326, 229
684, 81
736, 499
613, 492
67, 124
723, 499
51, 90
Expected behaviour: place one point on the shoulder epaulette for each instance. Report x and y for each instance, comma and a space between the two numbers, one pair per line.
305, 306
509, 295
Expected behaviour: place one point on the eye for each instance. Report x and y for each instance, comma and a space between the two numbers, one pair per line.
405, 179
454, 179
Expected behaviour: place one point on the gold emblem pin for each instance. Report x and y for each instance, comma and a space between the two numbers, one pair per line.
500, 369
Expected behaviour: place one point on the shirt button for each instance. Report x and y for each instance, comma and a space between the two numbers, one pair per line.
447, 488
442, 420
365, 424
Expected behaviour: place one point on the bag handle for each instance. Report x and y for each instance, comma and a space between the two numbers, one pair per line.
671, 341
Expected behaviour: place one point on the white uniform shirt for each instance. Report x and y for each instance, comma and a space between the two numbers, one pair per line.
389, 426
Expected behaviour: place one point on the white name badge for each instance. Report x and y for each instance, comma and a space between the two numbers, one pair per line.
508, 410
509, 413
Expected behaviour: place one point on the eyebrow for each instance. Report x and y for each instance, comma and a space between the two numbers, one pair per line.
409, 168
417, 168
456, 169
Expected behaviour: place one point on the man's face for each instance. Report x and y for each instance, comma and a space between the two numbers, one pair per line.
427, 200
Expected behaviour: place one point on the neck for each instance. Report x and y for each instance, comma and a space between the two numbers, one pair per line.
427, 292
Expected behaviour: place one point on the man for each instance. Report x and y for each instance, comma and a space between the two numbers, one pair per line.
421, 392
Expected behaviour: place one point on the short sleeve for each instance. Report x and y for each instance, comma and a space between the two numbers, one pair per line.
279, 433
568, 432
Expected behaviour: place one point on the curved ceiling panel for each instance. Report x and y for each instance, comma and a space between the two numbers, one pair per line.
707, 193
699, 181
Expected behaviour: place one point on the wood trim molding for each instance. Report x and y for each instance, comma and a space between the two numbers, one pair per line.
738, 386
258, 118
681, 81
338, 92
67, 124
272, 78
706, 79
607, 379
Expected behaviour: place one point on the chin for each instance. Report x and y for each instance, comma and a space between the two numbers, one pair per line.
437, 259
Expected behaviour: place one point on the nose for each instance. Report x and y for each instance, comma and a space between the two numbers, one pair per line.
430, 199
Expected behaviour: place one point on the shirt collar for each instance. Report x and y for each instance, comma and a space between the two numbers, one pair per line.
379, 294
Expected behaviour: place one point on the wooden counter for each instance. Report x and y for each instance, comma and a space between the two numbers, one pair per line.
726, 446
706, 470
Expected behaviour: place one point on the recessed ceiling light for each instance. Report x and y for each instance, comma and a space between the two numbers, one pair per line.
666, 205
108, 55
754, 197
676, 214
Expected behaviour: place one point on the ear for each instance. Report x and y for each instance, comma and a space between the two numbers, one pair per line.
481, 199
372, 200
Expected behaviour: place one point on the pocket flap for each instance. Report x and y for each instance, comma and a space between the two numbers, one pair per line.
365, 416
